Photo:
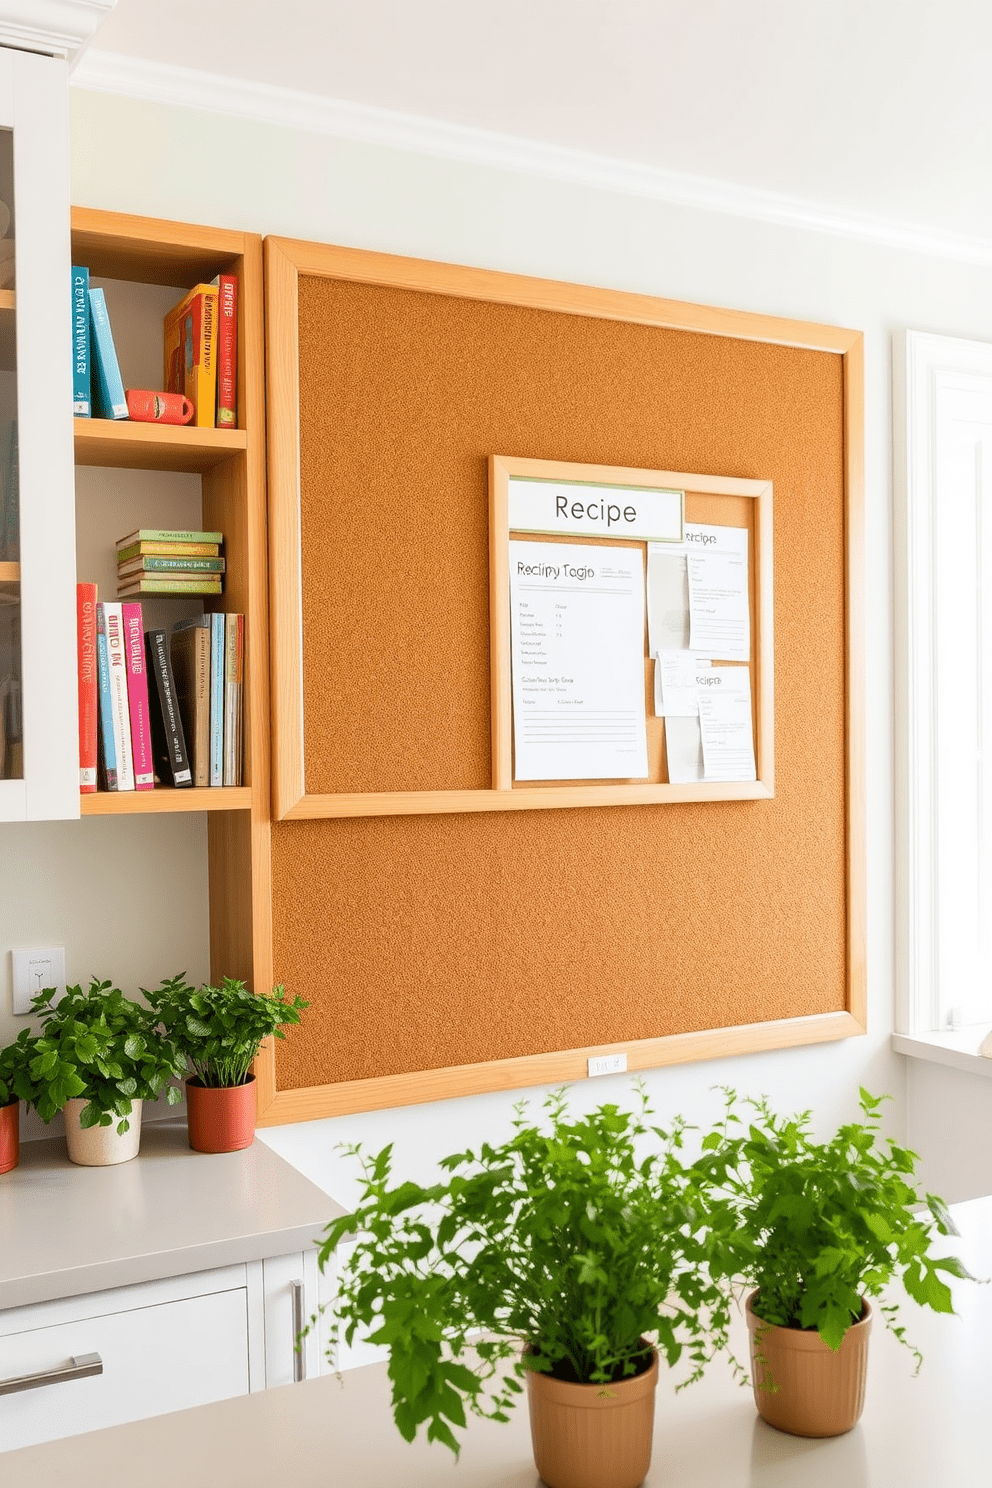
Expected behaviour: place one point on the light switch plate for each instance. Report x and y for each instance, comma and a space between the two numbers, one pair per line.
36, 968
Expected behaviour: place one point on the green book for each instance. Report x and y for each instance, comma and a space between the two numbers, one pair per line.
169, 565
207, 584
161, 534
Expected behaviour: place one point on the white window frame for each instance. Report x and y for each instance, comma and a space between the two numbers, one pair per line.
925, 368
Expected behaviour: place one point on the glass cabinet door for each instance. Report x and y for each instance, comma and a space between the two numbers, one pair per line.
39, 768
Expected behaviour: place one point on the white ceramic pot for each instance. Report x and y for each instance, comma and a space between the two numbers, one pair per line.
99, 1146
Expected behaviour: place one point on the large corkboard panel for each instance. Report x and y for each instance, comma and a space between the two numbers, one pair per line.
395, 432
477, 946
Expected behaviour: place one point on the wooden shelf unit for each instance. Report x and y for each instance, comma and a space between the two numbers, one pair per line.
231, 464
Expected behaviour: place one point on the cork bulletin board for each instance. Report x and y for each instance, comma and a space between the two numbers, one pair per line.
452, 937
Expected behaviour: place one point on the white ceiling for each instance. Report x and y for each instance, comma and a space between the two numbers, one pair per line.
878, 107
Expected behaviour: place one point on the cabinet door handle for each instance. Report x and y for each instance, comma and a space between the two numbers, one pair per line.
82, 1366
299, 1362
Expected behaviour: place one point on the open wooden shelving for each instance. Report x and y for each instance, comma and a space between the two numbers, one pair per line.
231, 464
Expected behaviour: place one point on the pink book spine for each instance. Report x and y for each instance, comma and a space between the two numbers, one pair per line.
137, 696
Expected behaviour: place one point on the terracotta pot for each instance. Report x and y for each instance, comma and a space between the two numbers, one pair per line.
10, 1126
100, 1146
802, 1386
592, 1436
220, 1120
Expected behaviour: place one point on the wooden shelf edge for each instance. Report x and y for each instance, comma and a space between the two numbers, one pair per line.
144, 803
10, 573
154, 446
8, 299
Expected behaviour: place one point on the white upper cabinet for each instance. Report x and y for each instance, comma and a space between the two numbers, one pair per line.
39, 761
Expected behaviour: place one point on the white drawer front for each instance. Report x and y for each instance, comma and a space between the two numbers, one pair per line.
155, 1359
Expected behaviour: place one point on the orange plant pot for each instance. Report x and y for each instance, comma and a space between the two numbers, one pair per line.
10, 1127
803, 1387
592, 1436
221, 1120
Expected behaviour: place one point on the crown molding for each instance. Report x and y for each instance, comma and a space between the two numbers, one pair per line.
112, 72
61, 28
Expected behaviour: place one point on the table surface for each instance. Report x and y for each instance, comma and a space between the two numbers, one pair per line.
67, 1230
923, 1432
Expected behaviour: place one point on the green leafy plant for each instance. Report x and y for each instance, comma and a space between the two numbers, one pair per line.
577, 1239
221, 1029
101, 1045
36, 1075
816, 1226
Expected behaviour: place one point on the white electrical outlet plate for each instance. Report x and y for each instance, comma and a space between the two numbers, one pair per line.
36, 968
607, 1064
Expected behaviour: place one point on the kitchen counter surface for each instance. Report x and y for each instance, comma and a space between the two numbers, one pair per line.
67, 1230
921, 1432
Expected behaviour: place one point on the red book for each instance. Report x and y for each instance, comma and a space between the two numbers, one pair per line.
86, 656
227, 351
137, 698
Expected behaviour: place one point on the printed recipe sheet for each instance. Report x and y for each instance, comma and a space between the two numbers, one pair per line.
577, 649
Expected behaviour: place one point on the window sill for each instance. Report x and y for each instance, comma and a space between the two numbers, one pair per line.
957, 1048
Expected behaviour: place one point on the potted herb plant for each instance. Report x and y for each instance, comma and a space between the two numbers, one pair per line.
49, 1087
569, 1256
818, 1229
119, 1058
220, 1030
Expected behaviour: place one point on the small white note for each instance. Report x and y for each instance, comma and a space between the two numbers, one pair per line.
725, 723
607, 1064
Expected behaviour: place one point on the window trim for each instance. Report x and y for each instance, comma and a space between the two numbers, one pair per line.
923, 364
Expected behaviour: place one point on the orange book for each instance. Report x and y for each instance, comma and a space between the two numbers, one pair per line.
190, 346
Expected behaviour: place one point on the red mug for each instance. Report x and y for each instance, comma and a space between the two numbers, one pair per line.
158, 408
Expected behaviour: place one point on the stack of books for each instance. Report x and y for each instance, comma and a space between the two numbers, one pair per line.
157, 708
154, 560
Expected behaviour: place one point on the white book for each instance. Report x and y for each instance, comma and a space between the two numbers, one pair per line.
120, 712
230, 698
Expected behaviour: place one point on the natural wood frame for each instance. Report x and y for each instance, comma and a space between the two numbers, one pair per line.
285, 261
501, 469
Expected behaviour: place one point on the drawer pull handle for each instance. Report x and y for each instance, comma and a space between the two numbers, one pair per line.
82, 1367
299, 1363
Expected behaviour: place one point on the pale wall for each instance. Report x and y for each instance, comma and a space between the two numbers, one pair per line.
166, 162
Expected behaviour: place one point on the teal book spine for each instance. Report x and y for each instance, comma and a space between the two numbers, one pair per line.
110, 400
81, 363
216, 699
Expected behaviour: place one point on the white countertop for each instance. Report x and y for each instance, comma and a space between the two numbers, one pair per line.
67, 1230
927, 1432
